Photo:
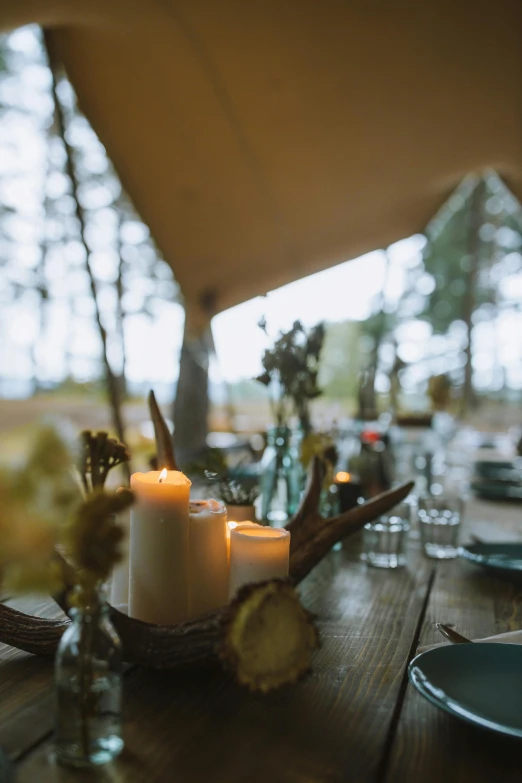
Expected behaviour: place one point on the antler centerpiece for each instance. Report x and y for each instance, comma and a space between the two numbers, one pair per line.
230, 634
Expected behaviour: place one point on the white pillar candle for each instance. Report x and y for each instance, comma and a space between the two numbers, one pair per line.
233, 525
256, 554
159, 547
208, 558
120, 572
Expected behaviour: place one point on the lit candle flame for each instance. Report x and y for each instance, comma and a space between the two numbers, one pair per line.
342, 477
162, 476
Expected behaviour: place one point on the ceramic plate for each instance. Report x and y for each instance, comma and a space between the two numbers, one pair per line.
479, 683
507, 557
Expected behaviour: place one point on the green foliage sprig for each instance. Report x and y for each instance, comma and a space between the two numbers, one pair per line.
236, 492
233, 491
290, 371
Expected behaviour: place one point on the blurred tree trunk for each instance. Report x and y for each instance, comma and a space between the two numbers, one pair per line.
43, 296
113, 385
191, 406
367, 396
475, 221
120, 312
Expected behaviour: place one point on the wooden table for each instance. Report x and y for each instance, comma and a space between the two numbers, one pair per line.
355, 718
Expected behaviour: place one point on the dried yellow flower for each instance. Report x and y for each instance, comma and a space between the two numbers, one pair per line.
99, 455
93, 540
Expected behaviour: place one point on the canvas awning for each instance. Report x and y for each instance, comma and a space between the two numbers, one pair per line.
265, 140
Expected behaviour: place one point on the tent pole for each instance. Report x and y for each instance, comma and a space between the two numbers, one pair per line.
475, 220
191, 405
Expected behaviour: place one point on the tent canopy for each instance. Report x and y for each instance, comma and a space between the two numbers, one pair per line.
262, 141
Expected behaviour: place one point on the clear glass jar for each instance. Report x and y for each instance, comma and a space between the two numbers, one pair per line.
88, 684
385, 538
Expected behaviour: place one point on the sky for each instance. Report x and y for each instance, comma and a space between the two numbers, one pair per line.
345, 292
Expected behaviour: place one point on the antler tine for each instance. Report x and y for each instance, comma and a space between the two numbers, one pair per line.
164, 447
37, 635
324, 533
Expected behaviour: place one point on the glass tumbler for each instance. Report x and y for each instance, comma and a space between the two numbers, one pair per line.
439, 521
385, 538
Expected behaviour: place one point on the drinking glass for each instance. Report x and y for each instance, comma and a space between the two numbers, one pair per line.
385, 538
439, 520
413, 463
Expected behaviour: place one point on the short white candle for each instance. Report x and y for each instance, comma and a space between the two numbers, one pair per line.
256, 554
233, 525
159, 547
208, 560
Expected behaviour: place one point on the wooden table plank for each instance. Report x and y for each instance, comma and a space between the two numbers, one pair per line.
331, 727
429, 744
345, 722
26, 697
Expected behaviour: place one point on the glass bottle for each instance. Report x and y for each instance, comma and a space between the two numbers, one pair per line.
88, 683
373, 464
282, 472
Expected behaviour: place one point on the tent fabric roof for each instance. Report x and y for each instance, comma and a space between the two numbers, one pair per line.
262, 141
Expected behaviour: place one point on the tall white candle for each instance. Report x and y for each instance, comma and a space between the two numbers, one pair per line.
120, 572
208, 559
256, 554
159, 547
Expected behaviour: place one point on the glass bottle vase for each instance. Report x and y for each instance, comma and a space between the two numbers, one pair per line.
88, 685
282, 475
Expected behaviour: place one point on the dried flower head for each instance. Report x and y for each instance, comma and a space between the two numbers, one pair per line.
94, 539
99, 454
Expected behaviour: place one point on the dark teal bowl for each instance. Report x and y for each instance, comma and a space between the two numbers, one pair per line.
506, 557
497, 490
479, 683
